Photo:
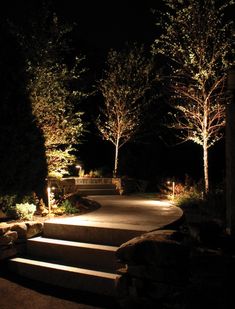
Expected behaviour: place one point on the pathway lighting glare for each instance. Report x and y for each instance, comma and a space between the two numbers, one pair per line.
78, 167
49, 199
172, 183
49, 189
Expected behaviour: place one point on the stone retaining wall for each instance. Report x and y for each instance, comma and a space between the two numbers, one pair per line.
13, 237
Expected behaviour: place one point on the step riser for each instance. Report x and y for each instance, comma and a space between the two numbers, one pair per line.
89, 234
96, 186
77, 256
97, 192
67, 279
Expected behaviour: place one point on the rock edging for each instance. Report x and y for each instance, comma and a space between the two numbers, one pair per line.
13, 237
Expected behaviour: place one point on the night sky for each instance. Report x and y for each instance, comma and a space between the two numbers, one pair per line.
102, 25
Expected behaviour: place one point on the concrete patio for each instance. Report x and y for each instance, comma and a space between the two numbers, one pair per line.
127, 212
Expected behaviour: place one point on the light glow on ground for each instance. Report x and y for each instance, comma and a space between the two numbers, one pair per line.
164, 203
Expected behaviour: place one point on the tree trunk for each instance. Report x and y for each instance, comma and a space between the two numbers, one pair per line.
205, 144
205, 165
116, 159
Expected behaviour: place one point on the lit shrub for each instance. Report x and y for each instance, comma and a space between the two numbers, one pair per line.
188, 198
24, 211
68, 208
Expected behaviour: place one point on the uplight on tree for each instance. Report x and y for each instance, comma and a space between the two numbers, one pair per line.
54, 91
127, 77
196, 41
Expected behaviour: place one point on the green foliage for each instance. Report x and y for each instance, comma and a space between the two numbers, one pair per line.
68, 208
189, 197
199, 52
24, 211
198, 48
210, 206
30, 198
127, 78
53, 107
54, 88
7, 201
97, 173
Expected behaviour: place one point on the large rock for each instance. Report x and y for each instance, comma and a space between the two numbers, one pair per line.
34, 229
156, 272
174, 275
161, 248
8, 238
4, 227
20, 228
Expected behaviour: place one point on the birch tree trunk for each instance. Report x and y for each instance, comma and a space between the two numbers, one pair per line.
205, 165
116, 158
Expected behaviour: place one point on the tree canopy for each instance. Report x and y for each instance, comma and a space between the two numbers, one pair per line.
127, 77
196, 39
54, 89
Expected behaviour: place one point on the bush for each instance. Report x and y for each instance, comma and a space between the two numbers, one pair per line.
7, 201
22, 211
211, 205
67, 207
189, 198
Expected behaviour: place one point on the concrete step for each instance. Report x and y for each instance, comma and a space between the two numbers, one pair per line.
80, 254
96, 186
90, 232
96, 191
65, 276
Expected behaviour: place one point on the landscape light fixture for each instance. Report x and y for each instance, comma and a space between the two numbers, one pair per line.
172, 188
49, 199
78, 167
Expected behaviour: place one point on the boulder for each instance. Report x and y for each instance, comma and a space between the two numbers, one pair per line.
4, 227
173, 275
8, 238
161, 247
34, 229
20, 228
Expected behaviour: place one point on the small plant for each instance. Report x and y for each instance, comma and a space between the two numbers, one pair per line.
24, 211
7, 201
189, 198
97, 173
67, 207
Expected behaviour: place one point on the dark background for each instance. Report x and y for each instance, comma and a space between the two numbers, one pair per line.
102, 25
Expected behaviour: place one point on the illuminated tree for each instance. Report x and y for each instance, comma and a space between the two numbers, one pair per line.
126, 80
197, 41
53, 108
54, 89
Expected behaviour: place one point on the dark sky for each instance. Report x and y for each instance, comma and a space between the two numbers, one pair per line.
106, 24
102, 25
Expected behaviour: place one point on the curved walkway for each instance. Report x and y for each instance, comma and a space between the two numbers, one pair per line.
130, 212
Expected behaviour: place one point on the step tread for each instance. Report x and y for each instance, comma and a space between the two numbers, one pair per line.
71, 269
100, 185
46, 240
98, 189
81, 222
